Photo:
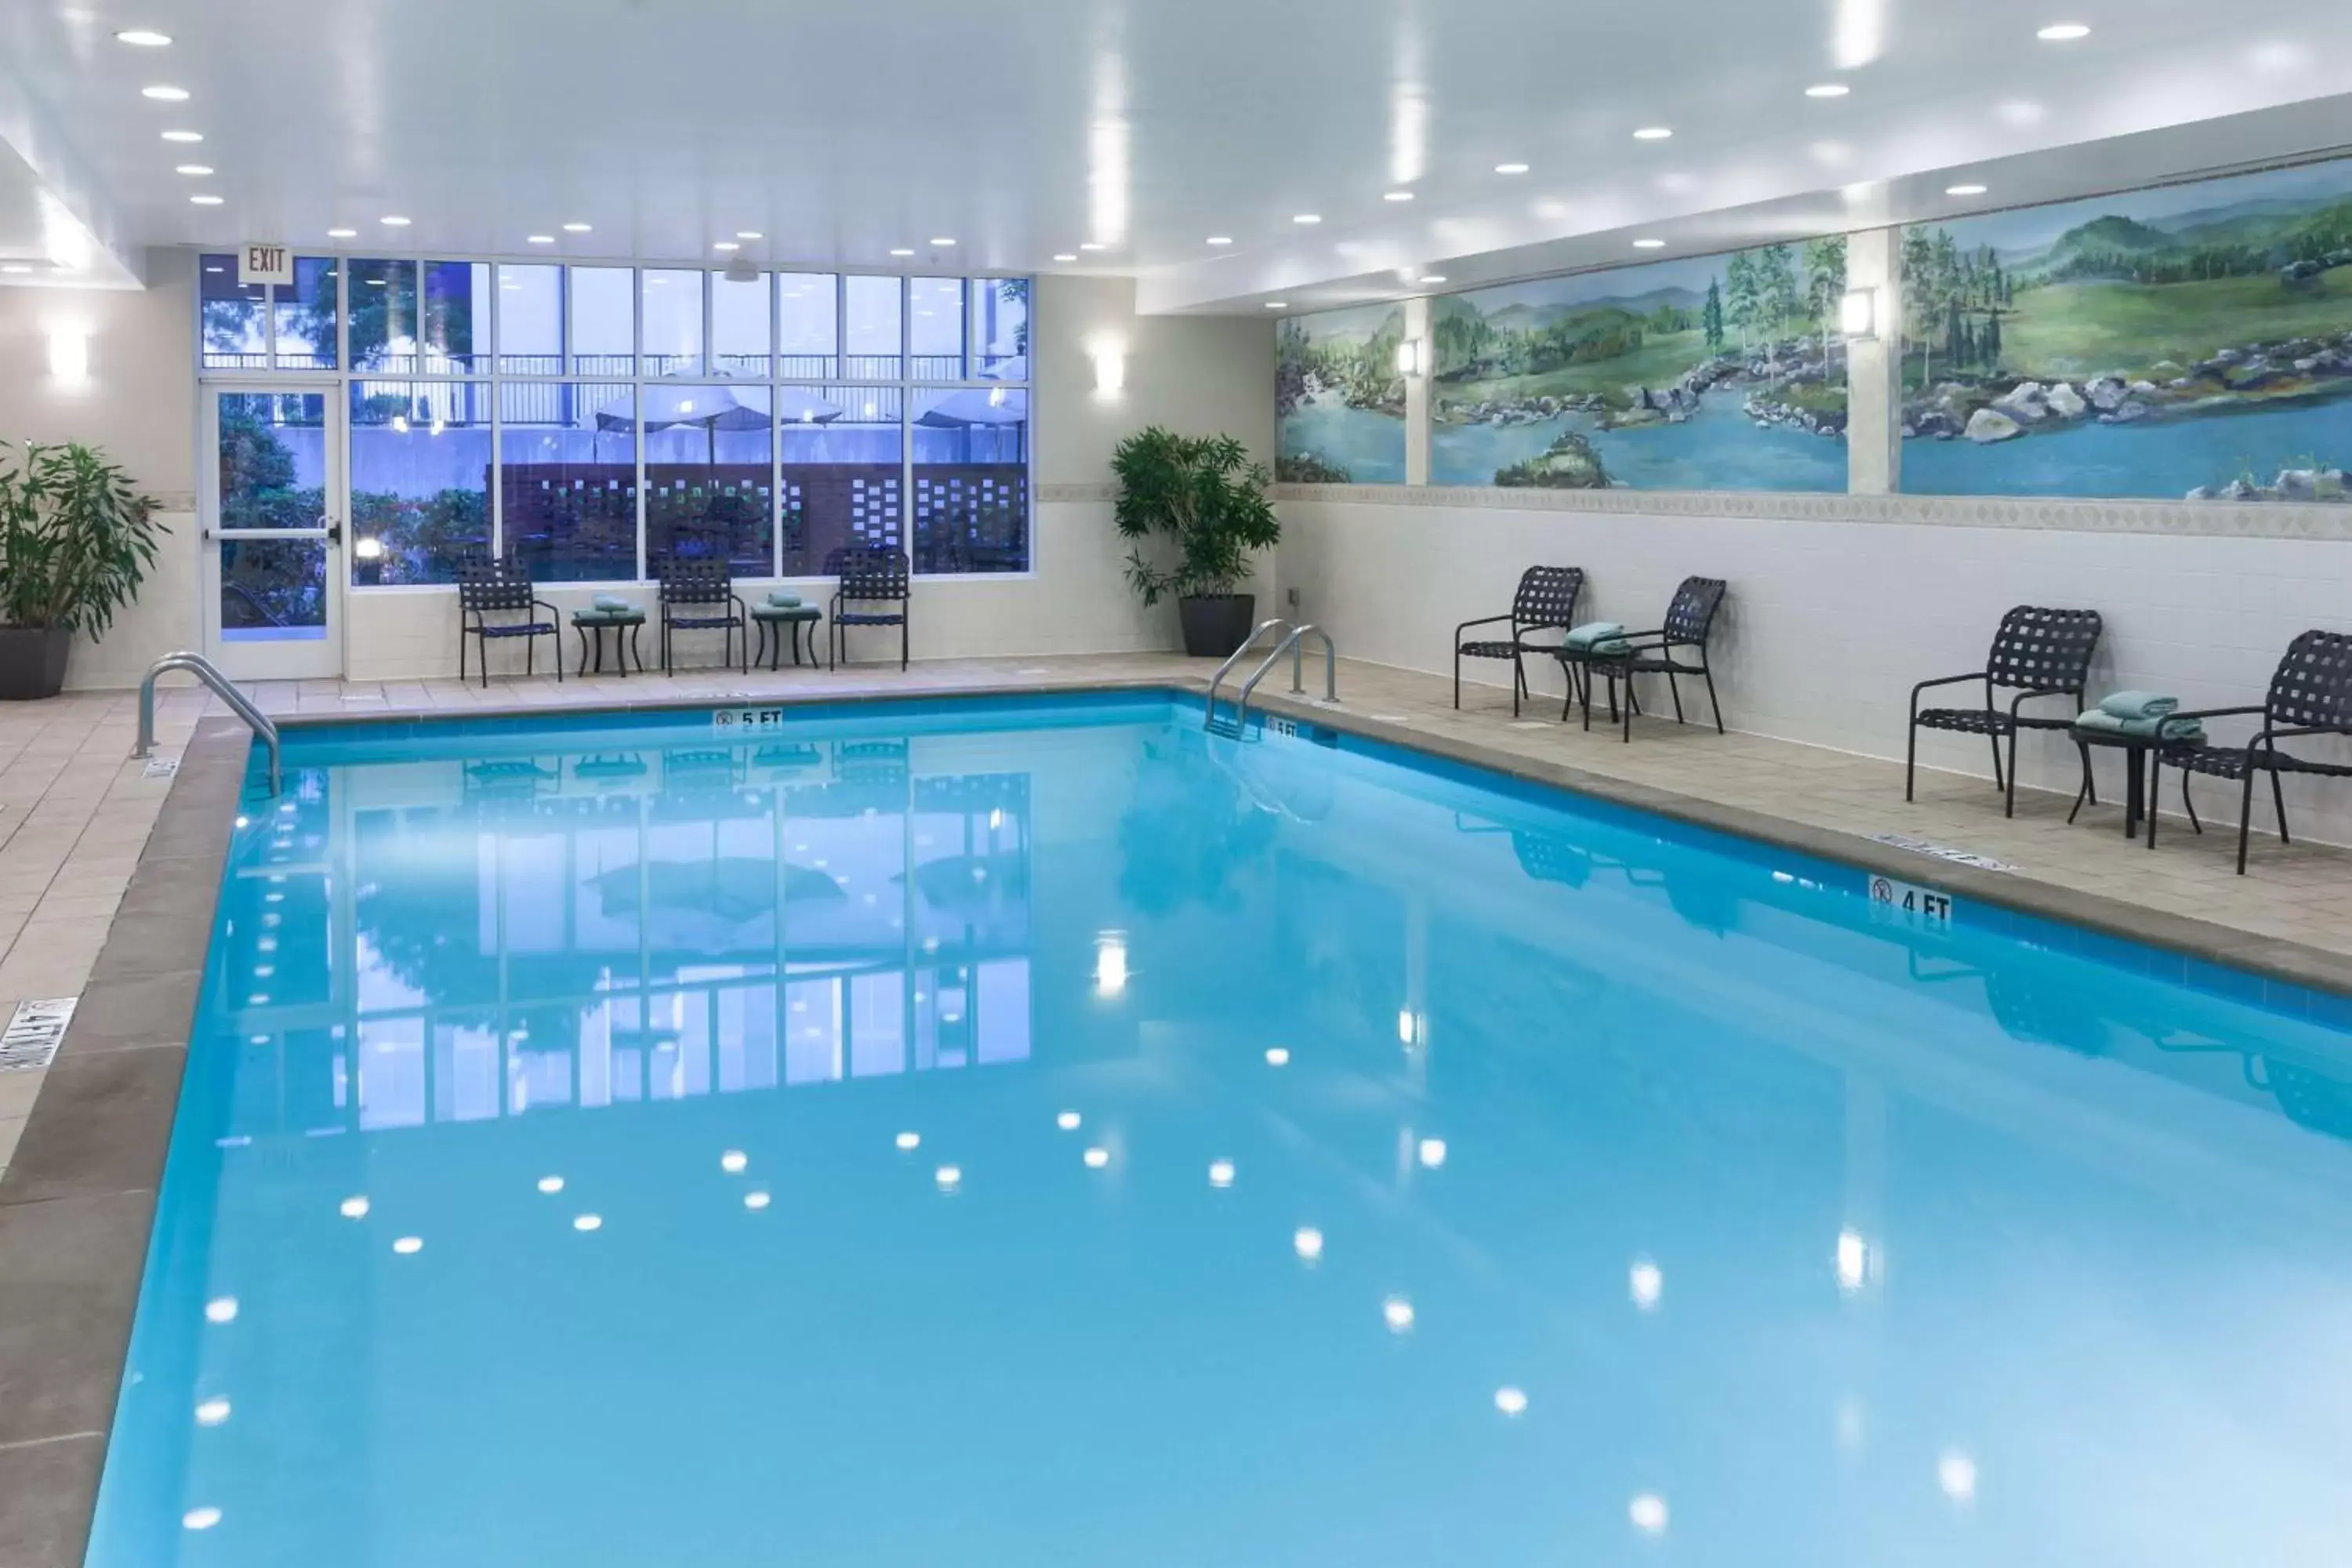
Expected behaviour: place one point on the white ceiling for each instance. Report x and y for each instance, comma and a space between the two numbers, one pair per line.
843, 130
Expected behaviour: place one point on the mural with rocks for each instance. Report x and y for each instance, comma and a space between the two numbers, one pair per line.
1708, 372
2191, 341
1338, 400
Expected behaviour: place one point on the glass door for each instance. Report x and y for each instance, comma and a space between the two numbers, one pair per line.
273, 501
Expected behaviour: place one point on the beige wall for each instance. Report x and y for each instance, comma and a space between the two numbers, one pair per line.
1196, 375
139, 404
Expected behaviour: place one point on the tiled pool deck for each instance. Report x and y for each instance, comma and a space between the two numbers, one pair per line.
108, 878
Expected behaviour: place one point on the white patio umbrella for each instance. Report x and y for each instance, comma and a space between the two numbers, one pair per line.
976, 406
663, 406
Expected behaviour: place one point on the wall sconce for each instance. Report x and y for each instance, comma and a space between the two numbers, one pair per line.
1858, 315
1111, 369
69, 354
1409, 357
1110, 963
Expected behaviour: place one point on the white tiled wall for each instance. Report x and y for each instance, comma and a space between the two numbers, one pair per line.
1828, 624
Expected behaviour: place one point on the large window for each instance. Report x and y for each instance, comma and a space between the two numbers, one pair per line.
597, 421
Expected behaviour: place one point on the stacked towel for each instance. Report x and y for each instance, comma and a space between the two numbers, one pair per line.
781, 600
1594, 632
2104, 721
612, 602
2138, 705
1610, 648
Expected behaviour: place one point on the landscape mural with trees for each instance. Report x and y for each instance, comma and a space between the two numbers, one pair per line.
1710, 373
2190, 341
1338, 399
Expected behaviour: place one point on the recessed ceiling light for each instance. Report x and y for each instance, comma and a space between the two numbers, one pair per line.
1397, 196
1649, 244
1221, 239
392, 220
902, 251
143, 38
539, 240
1092, 245
725, 244
206, 201
162, 94
942, 242
183, 135
1433, 278
749, 234
342, 234
1307, 217
2062, 32
1277, 304
1964, 189
1828, 90
1511, 168
575, 228
1067, 255
16, 267
194, 169
1652, 133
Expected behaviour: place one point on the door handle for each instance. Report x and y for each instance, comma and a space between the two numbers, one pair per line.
334, 533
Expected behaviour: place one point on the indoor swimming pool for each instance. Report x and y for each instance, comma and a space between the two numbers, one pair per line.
1036, 1132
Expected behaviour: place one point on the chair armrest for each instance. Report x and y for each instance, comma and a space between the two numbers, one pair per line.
1946, 680
552, 613
2022, 697
2270, 734
1481, 621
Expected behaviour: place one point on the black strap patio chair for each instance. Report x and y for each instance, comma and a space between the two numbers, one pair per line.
1674, 649
2311, 694
1546, 602
699, 596
2037, 652
488, 587
871, 589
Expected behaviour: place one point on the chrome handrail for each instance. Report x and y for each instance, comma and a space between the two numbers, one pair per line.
1233, 658
1292, 645
204, 669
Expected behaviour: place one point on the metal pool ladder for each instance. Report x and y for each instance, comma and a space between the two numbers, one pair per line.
204, 669
1292, 642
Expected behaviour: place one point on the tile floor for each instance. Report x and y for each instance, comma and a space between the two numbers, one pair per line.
74, 810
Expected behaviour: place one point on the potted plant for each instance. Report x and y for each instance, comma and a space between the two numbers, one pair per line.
76, 540
1203, 494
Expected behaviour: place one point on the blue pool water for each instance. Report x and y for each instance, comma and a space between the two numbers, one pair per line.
1484, 1178
1720, 448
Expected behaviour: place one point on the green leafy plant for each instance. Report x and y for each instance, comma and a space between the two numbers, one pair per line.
76, 539
1204, 495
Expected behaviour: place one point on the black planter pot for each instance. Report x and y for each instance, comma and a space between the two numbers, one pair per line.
1216, 624
32, 661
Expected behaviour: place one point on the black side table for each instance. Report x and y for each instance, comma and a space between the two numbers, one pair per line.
781, 625
617, 622
2138, 806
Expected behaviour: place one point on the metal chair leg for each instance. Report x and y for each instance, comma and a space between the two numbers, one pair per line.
1911, 761
2278, 805
2245, 820
1707, 670
2085, 788
2009, 794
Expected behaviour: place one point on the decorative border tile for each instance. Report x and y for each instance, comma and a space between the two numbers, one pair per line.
1092, 490
2236, 519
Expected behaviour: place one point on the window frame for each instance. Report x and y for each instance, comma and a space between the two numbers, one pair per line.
488, 355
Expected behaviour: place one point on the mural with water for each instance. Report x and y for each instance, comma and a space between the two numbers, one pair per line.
1711, 373
1338, 398
2191, 341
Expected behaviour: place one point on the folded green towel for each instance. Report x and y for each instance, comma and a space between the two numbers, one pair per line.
782, 600
2100, 720
610, 602
2138, 704
1593, 632
1611, 647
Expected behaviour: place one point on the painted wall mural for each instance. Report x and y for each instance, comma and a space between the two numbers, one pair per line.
1337, 399
2192, 341
1710, 373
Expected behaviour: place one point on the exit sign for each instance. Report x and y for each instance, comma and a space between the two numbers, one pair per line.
264, 264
